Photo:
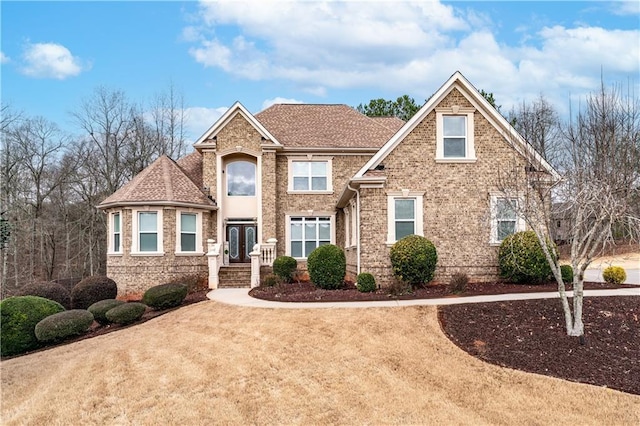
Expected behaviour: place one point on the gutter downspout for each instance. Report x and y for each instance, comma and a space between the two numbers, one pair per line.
357, 191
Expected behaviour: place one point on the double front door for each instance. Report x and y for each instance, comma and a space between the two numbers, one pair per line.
241, 239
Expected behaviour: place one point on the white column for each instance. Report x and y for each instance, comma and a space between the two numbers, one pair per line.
213, 257
255, 266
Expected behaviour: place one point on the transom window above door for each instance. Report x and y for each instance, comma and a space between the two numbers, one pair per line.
241, 179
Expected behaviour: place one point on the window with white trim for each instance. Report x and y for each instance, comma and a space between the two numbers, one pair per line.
147, 232
404, 211
116, 233
241, 179
307, 233
505, 219
455, 135
310, 174
188, 232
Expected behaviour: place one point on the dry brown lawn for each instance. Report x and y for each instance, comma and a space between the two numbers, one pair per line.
213, 363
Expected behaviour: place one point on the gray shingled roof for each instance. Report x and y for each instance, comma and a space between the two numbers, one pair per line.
162, 182
325, 126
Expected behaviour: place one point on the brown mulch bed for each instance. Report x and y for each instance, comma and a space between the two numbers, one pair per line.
307, 292
529, 335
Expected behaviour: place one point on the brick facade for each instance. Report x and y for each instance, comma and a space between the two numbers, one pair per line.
455, 213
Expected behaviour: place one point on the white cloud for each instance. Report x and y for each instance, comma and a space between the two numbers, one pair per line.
278, 100
4, 59
403, 47
625, 7
199, 119
50, 60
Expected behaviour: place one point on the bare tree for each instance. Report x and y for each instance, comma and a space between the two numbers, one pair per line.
598, 185
539, 124
168, 120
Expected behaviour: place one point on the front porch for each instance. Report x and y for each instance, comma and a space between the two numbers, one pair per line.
239, 275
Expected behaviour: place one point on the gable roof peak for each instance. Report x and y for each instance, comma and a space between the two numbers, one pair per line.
237, 108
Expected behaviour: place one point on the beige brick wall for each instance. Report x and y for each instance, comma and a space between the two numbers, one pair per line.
343, 168
238, 132
456, 200
135, 274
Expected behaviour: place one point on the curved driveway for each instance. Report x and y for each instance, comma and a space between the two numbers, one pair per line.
240, 297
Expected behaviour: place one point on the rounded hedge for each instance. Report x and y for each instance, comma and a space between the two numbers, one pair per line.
414, 259
49, 290
567, 273
365, 282
327, 266
18, 318
165, 296
614, 275
63, 324
284, 267
99, 309
126, 313
91, 290
522, 259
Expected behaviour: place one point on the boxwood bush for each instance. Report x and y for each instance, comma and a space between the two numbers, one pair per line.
49, 290
165, 296
365, 282
284, 267
566, 271
522, 259
414, 259
614, 275
99, 309
63, 324
18, 318
327, 266
91, 290
126, 313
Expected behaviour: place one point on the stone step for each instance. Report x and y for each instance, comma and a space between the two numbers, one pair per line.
235, 276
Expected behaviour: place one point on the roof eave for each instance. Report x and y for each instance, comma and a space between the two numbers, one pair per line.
113, 204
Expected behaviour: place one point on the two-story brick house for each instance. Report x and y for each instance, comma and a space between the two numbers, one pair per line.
296, 176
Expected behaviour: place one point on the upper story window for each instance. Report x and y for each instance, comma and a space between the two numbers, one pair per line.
147, 232
310, 175
455, 134
241, 179
454, 142
504, 218
115, 245
405, 212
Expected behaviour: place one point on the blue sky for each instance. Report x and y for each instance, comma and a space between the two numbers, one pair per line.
54, 54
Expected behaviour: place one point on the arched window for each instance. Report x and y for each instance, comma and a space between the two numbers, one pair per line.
241, 179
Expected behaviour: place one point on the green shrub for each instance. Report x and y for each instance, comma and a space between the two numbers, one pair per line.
284, 267
270, 281
63, 324
126, 313
414, 260
165, 296
91, 290
327, 267
567, 273
18, 318
100, 309
49, 290
365, 282
522, 259
458, 283
614, 275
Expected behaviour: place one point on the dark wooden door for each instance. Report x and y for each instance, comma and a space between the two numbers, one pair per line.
241, 238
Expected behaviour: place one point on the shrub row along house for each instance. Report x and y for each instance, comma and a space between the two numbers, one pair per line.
295, 176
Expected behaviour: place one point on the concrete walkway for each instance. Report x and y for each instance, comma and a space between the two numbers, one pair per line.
240, 297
